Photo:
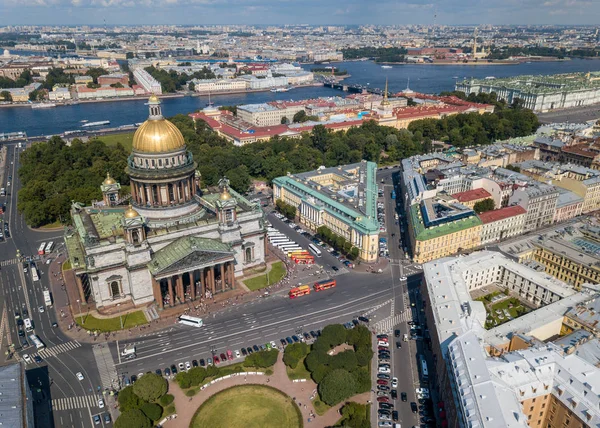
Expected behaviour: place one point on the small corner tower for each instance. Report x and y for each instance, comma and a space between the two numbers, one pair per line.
226, 205
110, 191
133, 226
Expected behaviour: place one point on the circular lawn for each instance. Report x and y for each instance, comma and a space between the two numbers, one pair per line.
248, 406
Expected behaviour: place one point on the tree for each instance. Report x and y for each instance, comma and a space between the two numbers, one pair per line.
129, 55
128, 400
6, 96
300, 117
96, 72
197, 375
262, 359
483, 206
150, 387
320, 372
344, 360
166, 399
239, 178
514, 168
354, 415
284, 120
117, 85
294, 353
183, 379
133, 418
337, 386
191, 86
152, 411
333, 335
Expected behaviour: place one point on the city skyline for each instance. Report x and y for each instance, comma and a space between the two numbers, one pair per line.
312, 12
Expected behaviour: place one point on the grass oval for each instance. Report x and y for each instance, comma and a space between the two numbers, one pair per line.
248, 406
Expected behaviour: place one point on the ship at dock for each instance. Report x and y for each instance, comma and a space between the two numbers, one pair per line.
286, 89
99, 123
43, 105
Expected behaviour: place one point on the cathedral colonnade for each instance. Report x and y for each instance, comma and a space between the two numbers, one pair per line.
200, 283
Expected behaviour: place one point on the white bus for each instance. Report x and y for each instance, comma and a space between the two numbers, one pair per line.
275, 235
313, 248
34, 274
28, 324
278, 238
191, 321
42, 248
291, 247
36, 341
49, 247
279, 241
47, 298
283, 244
424, 371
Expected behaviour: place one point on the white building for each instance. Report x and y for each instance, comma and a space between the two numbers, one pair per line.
146, 81
219, 85
539, 200
501, 224
59, 94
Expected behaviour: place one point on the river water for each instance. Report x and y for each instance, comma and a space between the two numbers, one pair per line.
423, 78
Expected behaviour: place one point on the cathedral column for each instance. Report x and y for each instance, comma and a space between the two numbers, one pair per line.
232, 275
170, 282
180, 293
222, 276
80, 288
157, 293
192, 285
211, 279
133, 191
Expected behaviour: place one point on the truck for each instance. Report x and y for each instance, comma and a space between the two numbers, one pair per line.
47, 298
128, 350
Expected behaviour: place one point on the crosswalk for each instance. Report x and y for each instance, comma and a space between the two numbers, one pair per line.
374, 308
9, 262
106, 366
79, 402
388, 324
58, 349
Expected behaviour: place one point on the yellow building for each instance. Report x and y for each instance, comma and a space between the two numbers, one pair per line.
588, 189
432, 239
567, 263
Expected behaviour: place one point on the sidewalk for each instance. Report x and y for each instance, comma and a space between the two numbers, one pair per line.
300, 391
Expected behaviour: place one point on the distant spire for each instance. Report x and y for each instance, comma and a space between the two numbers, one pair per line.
385, 101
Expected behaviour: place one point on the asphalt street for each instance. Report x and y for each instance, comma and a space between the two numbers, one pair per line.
56, 381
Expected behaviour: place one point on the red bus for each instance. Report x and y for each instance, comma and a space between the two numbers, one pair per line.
324, 285
298, 253
304, 261
299, 291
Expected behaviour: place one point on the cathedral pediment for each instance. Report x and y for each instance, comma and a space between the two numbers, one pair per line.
189, 252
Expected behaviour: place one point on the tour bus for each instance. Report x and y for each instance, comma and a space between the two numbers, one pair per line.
290, 247
283, 244
298, 253
42, 248
36, 341
424, 371
47, 298
272, 235
324, 285
191, 321
304, 260
299, 291
49, 247
279, 240
28, 324
314, 249
34, 274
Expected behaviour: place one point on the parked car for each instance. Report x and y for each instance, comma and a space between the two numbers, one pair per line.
223, 357
97, 420
382, 382
194, 363
167, 372
106, 418
216, 360
383, 376
394, 382
413, 407
202, 362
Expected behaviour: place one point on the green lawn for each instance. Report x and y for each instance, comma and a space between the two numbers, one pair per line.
248, 406
111, 140
57, 224
320, 407
276, 273
300, 372
66, 265
130, 320
515, 311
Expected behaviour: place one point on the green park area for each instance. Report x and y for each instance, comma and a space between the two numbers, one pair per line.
144, 403
126, 139
501, 309
248, 406
129, 320
275, 274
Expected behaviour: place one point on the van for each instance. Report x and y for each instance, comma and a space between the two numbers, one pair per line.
405, 337
129, 350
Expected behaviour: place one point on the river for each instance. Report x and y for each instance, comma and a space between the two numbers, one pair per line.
423, 78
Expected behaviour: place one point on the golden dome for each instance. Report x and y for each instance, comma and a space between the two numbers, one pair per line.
131, 213
225, 195
108, 180
157, 136
153, 99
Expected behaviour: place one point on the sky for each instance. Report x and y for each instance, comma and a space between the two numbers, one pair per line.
333, 12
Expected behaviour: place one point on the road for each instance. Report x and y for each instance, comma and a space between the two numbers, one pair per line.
73, 403
54, 379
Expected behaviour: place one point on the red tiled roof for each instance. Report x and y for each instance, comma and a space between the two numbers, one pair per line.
472, 195
501, 214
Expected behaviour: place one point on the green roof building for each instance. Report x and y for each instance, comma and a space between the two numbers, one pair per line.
342, 198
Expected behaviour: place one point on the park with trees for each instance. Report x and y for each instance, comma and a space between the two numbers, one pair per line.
341, 374
54, 174
144, 403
